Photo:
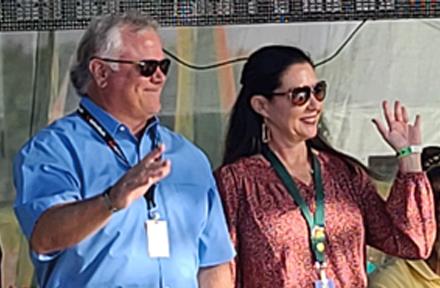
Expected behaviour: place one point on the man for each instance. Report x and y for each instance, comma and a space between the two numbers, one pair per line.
402, 273
107, 196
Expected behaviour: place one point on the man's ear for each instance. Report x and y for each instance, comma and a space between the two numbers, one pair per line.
260, 104
100, 72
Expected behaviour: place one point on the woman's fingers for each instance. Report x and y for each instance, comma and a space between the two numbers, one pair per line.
398, 113
418, 122
389, 115
381, 128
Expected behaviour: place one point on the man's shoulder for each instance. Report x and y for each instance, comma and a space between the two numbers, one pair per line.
174, 136
65, 125
52, 136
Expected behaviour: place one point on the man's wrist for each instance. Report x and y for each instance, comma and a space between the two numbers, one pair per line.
108, 201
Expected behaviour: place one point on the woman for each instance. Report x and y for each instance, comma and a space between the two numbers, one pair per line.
400, 273
312, 231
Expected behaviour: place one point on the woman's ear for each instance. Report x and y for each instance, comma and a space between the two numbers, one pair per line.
99, 72
260, 105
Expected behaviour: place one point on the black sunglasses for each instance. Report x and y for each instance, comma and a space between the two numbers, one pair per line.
146, 67
300, 95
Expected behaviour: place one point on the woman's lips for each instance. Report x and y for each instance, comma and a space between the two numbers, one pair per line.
310, 119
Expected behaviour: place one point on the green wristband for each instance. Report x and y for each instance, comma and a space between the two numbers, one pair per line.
406, 151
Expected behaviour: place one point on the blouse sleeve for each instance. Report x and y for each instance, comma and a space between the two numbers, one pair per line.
230, 194
403, 225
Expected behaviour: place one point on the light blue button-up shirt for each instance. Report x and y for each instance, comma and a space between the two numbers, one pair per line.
68, 161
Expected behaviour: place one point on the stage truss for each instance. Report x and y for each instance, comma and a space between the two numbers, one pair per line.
32, 15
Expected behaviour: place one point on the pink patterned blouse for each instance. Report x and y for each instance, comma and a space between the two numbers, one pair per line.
271, 235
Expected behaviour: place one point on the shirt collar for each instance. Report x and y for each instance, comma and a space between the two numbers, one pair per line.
421, 267
108, 122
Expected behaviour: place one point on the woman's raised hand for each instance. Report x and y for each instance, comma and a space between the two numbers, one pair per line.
399, 133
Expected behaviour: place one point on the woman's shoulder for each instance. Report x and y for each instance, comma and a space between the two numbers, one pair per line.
343, 169
337, 163
244, 167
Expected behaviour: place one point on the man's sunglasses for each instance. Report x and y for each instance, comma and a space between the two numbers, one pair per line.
146, 67
300, 95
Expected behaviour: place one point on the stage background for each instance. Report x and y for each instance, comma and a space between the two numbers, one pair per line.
385, 60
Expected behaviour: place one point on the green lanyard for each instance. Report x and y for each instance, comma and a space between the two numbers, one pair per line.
316, 222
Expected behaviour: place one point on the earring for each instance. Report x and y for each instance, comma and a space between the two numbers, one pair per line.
265, 133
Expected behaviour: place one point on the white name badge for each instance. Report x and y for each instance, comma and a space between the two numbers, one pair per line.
157, 235
327, 283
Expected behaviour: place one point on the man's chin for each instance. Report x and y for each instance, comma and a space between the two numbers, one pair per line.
154, 111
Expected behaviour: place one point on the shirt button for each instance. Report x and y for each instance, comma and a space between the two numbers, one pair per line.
122, 128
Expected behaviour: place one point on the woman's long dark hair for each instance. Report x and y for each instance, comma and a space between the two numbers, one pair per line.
261, 75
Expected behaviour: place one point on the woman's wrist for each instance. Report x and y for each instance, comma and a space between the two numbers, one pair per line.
408, 150
410, 163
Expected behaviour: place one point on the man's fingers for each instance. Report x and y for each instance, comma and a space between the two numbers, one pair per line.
154, 155
137, 181
156, 167
160, 173
139, 175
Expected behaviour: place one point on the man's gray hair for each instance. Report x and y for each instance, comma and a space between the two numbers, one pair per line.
103, 39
